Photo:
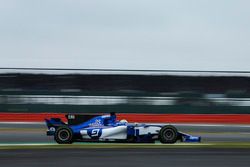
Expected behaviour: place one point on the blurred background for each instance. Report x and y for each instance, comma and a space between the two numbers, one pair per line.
164, 57
125, 56
141, 91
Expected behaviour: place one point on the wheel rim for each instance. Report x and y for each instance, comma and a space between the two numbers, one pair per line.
169, 134
63, 135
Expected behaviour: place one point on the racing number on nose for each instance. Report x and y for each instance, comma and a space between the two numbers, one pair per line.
95, 132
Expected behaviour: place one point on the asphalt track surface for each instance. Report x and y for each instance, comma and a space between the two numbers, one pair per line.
91, 155
126, 157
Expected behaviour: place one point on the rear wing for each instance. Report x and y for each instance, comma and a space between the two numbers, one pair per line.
54, 122
72, 119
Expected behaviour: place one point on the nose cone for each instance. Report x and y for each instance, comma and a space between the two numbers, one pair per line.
189, 138
193, 139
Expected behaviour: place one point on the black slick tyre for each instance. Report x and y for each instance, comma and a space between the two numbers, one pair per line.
168, 134
63, 135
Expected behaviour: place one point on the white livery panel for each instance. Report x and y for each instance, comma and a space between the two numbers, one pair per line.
119, 132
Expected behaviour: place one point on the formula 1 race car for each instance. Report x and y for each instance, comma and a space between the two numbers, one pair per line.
108, 129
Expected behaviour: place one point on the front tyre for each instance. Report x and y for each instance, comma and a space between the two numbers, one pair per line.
168, 134
63, 135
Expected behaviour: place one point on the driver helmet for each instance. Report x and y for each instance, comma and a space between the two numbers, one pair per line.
123, 121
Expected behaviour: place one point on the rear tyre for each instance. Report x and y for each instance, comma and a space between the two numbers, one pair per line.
168, 134
64, 135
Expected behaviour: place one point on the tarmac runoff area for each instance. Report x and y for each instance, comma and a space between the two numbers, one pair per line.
65, 156
222, 145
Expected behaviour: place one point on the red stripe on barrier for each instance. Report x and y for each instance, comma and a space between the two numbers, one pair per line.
150, 118
28, 117
188, 118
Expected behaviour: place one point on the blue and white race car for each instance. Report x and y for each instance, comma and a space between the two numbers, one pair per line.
108, 129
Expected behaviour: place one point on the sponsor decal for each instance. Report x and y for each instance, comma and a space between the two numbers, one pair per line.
96, 123
52, 129
71, 116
